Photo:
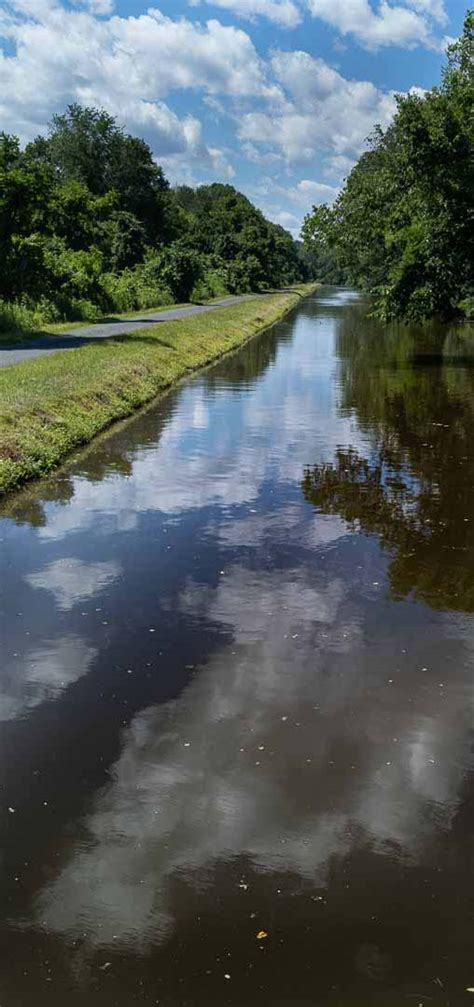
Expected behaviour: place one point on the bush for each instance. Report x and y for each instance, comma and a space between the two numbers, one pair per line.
15, 318
73, 278
134, 289
45, 311
245, 275
213, 283
467, 306
82, 310
177, 267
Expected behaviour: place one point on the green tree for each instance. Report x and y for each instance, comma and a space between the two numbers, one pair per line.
403, 226
88, 223
24, 195
87, 146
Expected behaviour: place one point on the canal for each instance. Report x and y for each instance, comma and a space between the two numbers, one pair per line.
237, 686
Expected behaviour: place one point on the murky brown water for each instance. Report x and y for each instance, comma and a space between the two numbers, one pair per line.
237, 690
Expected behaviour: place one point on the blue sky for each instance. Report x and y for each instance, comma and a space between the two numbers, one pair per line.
274, 96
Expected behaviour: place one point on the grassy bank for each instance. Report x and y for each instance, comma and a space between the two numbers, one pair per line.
53, 404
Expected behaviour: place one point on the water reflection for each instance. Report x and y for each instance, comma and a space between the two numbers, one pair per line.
41, 674
414, 395
71, 580
302, 761
216, 721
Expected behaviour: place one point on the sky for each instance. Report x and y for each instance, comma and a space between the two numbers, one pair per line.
276, 97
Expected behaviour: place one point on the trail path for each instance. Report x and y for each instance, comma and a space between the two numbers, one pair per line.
44, 345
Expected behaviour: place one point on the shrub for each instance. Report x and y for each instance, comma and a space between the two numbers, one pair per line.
177, 267
467, 306
213, 283
15, 318
134, 289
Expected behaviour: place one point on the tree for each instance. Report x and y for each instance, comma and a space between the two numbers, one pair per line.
226, 227
402, 227
24, 195
87, 146
88, 223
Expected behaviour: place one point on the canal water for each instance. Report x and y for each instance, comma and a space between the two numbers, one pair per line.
237, 690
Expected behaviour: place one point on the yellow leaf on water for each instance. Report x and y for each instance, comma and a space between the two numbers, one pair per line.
261, 935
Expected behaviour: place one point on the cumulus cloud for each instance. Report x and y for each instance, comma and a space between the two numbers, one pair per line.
270, 195
307, 189
126, 65
408, 26
282, 12
292, 108
433, 8
289, 109
286, 219
320, 112
97, 6
338, 167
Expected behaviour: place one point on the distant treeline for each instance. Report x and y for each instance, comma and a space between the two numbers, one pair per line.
403, 225
89, 224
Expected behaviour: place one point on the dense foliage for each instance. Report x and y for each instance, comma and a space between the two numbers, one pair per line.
403, 226
89, 224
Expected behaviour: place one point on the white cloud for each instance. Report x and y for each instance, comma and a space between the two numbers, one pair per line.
338, 166
322, 113
386, 25
275, 200
293, 108
318, 192
418, 92
180, 167
286, 219
408, 23
432, 8
282, 12
97, 6
126, 65
252, 153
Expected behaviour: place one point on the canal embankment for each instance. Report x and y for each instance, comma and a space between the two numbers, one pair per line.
53, 404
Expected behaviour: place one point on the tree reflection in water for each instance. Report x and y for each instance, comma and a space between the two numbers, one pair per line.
412, 394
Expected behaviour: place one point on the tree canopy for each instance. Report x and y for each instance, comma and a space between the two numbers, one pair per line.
403, 225
90, 224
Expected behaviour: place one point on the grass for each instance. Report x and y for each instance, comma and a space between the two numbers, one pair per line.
53, 404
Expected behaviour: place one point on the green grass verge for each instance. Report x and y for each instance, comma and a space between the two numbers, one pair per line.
53, 404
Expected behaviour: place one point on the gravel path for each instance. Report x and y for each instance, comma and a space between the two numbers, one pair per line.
44, 345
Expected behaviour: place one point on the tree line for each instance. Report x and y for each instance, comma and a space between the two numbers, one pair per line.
403, 224
89, 224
